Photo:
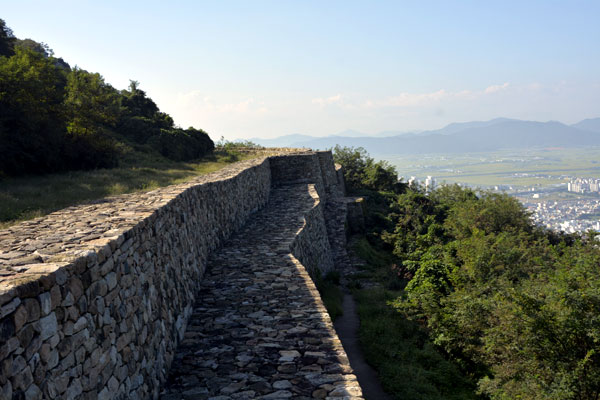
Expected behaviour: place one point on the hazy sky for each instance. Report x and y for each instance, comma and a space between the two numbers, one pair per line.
247, 69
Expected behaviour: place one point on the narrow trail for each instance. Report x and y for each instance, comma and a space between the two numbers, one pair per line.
348, 323
346, 327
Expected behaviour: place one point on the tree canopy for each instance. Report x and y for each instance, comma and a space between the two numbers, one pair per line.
54, 117
7, 40
517, 306
362, 172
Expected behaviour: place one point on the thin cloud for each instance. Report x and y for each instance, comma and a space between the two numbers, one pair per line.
337, 99
410, 99
496, 88
415, 100
206, 104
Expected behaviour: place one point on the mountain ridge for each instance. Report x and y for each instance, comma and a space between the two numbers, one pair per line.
461, 137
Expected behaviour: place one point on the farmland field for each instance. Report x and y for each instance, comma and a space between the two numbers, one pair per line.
516, 168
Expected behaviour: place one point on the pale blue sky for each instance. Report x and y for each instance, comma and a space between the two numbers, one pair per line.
267, 68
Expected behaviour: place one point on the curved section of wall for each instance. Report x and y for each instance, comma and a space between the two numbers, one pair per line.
94, 299
311, 244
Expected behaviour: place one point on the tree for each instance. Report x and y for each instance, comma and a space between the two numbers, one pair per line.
183, 145
140, 118
515, 306
31, 115
53, 117
545, 343
7, 40
136, 102
362, 171
39, 47
91, 104
92, 109
491, 212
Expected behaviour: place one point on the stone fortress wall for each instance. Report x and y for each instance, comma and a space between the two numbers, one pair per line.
94, 299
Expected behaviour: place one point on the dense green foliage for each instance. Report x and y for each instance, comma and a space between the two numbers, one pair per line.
237, 144
516, 306
409, 365
511, 308
363, 172
54, 117
7, 40
329, 289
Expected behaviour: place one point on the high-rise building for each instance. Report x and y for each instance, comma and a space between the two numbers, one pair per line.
429, 183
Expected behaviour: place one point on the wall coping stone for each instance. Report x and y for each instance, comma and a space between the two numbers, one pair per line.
99, 294
29, 249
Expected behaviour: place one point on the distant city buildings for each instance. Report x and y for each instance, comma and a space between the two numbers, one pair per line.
573, 214
429, 183
567, 216
584, 185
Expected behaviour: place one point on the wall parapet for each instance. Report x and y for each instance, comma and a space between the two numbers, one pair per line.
97, 296
311, 245
94, 299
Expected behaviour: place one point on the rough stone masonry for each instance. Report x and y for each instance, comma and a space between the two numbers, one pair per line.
95, 299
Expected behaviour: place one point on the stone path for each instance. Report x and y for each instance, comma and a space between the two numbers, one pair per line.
259, 328
347, 329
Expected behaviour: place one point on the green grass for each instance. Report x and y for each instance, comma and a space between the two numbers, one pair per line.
379, 266
28, 197
409, 366
331, 294
375, 259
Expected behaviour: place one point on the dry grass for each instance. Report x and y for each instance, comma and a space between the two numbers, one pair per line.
30, 197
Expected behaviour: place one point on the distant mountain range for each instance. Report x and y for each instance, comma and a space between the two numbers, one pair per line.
464, 137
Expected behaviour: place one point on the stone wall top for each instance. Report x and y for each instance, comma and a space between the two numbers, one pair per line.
95, 298
36, 240
270, 150
43, 245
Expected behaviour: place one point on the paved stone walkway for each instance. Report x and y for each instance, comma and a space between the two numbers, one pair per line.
259, 328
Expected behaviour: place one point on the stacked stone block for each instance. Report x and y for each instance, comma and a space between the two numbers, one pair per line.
94, 299
311, 244
101, 311
259, 329
333, 182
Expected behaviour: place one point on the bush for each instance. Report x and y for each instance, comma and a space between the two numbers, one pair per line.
515, 306
182, 145
238, 144
362, 172
138, 129
91, 151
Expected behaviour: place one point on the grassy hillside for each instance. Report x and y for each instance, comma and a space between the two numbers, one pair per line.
27, 197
